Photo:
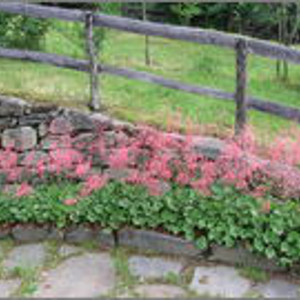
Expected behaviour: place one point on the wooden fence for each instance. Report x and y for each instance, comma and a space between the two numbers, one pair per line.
241, 44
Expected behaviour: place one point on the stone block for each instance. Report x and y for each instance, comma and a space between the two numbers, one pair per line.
4, 232
7, 123
45, 109
42, 129
209, 147
85, 276
153, 267
156, 242
160, 291
101, 120
10, 106
26, 256
33, 119
83, 140
56, 234
22, 138
29, 233
219, 281
278, 288
105, 238
53, 142
79, 121
242, 257
60, 126
8, 287
80, 234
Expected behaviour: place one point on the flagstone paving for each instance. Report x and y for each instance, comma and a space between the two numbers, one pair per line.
160, 291
7, 287
88, 275
219, 281
153, 267
67, 250
278, 289
61, 270
25, 256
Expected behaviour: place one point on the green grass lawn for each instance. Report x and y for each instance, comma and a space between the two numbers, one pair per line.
149, 103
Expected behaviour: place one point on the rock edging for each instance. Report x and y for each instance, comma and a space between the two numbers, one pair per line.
138, 239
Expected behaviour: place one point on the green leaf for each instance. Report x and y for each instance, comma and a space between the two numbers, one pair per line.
201, 243
270, 253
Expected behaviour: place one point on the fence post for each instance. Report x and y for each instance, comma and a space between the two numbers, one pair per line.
93, 58
241, 86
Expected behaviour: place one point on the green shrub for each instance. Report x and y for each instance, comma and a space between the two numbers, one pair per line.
22, 32
227, 217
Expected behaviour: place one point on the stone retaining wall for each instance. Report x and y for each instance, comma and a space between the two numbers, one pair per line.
36, 132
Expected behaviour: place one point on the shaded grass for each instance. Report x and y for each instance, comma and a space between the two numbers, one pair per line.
29, 281
125, 280
254, 274
6, 246
148, 103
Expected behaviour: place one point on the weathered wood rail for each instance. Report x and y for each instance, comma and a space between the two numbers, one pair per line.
240, 44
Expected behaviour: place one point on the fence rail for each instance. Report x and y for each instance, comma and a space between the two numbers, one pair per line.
241, 44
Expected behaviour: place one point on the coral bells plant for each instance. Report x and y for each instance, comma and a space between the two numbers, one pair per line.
24, 190
92, 183
70, 201
152, 158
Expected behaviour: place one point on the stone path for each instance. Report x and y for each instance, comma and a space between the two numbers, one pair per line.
60, 270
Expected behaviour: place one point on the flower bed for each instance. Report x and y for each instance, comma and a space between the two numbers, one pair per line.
64, 168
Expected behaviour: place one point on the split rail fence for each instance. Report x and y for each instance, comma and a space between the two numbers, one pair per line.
242, 46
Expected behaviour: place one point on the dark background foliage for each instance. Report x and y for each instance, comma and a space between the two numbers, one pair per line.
276, 21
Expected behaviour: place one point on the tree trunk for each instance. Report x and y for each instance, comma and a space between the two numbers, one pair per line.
285, 39
278, 61
241, 87
147, 45
92, 55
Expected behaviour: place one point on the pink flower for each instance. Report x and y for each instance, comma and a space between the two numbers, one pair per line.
82, 169
70, 201
93, 182
8, 159
134, 177
24, 190
40, 167
119, 158
153, 186
64, 159
183, 178
266, 206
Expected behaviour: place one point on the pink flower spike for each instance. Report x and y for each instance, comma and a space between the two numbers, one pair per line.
70, 201
119, 158
24, 190
82, 169
92, 183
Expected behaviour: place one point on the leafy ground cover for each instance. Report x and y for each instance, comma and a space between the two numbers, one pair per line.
146, 103
229, 199
226, 217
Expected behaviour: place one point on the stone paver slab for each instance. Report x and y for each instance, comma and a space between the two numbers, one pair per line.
26, 256
88, 275
66, 250
276, 288
7, 287
219, 281
159, 291
153, 267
